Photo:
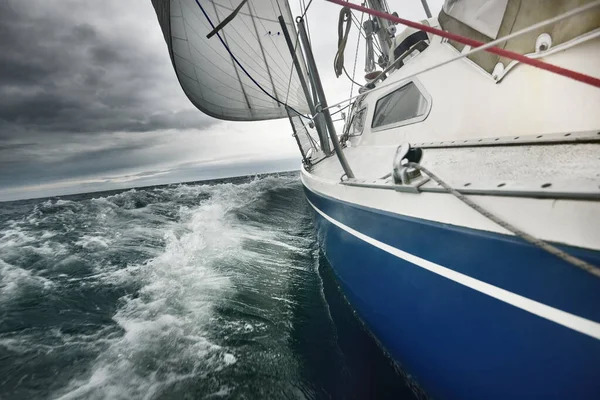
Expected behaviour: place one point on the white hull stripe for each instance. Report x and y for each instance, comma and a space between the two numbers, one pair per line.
579, 324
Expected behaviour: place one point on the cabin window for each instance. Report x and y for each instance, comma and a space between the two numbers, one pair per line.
401, 107
357, 123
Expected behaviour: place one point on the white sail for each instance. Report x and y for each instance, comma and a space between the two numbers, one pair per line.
231, 84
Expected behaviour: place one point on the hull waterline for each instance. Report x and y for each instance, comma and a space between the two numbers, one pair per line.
469, 314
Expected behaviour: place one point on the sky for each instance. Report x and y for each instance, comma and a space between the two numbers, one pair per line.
89, 101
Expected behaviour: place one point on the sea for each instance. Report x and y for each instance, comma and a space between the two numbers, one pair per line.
205, 290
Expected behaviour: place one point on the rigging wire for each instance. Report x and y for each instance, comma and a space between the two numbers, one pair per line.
360, 28
578, 76
306, 9
362, 15
484, 47
287, 94
303, 6
244, 69
340, 110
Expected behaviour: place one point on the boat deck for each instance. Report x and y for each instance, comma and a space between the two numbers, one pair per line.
567, 165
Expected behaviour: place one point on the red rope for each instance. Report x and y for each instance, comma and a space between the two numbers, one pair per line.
590, 80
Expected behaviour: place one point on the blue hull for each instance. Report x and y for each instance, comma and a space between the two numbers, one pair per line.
456, 341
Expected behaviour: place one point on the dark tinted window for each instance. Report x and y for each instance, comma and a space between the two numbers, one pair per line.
400, 105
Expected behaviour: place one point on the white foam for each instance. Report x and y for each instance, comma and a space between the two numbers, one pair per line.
91, 242
24, 236
14, 237
167, 331
169, 319
15, 280
222, 392
229, 358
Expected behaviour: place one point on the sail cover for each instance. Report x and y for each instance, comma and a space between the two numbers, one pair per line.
484, 16
254, 78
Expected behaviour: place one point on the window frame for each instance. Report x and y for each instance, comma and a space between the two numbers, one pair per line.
364, 108
409, 121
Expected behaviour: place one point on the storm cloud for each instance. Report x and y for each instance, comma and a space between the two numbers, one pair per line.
84, 87
87, 91
60, 73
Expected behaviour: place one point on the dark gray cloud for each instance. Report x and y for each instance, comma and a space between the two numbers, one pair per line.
32, 164
87, 91
58, 74
73, 73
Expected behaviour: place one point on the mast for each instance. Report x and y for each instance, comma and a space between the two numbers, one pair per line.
426, 8
383, 32
383, 24
322, 106
321, 129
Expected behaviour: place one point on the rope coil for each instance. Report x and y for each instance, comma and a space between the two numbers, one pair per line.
338, 61
562, 17
590, 80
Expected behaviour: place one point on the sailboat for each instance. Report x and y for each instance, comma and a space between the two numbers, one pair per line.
460, 205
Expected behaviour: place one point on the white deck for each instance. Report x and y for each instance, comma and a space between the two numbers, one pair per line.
468, 104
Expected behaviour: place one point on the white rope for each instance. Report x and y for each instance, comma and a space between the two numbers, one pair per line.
518, 232
493, 43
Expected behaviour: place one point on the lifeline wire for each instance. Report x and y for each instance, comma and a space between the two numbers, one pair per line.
509, 227
475, 43
484, 47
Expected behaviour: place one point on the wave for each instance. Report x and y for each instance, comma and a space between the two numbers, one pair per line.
14, 281
199, 275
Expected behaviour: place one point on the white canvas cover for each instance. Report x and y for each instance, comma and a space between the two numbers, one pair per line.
208, 74
484, 16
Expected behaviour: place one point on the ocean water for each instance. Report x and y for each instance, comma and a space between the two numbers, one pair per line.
208, 290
